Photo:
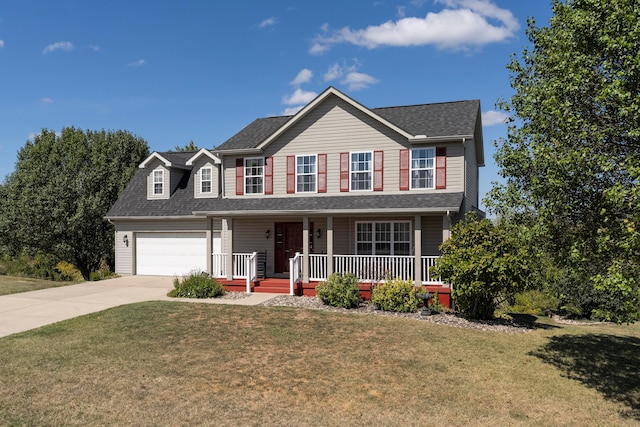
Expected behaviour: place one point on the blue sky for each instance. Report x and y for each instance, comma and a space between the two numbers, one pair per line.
175, 71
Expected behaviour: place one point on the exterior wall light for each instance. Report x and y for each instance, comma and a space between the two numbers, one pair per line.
267, 233
125, 239
318, 233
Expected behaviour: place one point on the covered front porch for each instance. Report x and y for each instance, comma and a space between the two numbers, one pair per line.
293, 254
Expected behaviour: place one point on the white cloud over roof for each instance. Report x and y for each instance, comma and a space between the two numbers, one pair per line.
65, 46
462, 24
492, 117
299, 96
303, 76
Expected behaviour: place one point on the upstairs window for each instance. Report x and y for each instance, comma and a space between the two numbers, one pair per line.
254, 175
423, 168
361, 171
306, 174
205, 180
158, 182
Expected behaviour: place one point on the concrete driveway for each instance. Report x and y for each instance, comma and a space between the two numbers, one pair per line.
29, 310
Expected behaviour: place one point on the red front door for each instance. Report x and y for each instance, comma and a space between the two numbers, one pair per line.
288, 241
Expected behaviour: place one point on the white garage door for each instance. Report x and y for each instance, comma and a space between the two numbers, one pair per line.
170, 254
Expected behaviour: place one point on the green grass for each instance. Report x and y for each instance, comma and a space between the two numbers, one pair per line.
14, 285
170, 363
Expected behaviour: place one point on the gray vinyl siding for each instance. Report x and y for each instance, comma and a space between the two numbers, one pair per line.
125, 259
197, 168
335, 127
431, 235
471, 178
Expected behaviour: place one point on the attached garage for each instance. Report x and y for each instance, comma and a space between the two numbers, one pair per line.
170, 254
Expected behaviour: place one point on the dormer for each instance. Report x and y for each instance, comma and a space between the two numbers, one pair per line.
206, 178
163, 175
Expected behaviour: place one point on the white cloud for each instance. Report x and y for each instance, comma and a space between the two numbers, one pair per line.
299, 96
401, 11
94, 47
1, 43
290, 111
303, 76
66, 46
138, 63
337, 71
492, 117
46, 101
357, 81
460, 25
267, 22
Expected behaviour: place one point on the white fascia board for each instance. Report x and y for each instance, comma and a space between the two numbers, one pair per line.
319, 99
152, 156
204, 152
423, 139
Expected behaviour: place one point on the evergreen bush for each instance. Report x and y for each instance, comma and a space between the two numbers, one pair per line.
395, 295
196, 285
340, 290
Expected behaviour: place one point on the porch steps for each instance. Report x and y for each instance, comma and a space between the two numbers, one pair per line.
270, 285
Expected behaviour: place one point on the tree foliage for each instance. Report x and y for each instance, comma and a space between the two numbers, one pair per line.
56, 199
191, 146
571, 160
485, 263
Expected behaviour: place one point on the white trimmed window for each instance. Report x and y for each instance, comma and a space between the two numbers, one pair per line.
254, 175
361, 171
306, 173
383, 238
423, 168
206, 180
158, 182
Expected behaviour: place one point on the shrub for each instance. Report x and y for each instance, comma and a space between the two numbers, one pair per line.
67, 272
534, 302
395, 295
196, 285
435, 305
340, 290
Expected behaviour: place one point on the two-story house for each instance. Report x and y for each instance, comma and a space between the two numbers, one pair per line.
337, 187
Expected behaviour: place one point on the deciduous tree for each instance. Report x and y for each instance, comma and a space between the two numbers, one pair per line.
571, 161
63, 185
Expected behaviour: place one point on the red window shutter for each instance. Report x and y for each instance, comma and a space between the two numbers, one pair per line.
268, 175
240, 176
322, 173
291, 174
404, 169
441, 168
344, 171
378, 166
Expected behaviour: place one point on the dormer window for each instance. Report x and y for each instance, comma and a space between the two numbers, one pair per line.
206, 180
158, 182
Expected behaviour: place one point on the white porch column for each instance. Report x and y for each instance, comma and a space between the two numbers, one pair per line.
227, 229
329, 246
417, 244
305, 249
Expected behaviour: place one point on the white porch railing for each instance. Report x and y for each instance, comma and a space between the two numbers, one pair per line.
240, 265
317, 267
375, 268
251, 270
219, 265
428, 262
295, 271
368, 268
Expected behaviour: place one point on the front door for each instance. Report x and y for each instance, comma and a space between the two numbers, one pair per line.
288, 241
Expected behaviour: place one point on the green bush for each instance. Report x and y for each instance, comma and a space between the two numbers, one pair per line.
196, 285
340, 290
396, 295
435, 305
534, 302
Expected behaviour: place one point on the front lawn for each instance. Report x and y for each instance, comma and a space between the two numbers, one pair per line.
14, 285
170, 363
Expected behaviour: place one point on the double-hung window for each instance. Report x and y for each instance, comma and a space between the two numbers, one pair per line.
306, 174
254, 175
205, 180
158, 182
423, 168
361, 171
383, 238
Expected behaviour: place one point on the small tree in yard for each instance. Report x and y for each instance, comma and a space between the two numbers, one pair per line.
485, 264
